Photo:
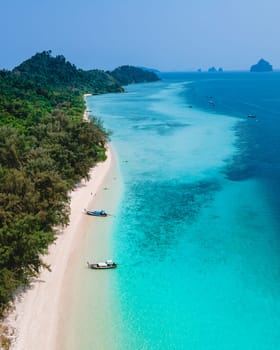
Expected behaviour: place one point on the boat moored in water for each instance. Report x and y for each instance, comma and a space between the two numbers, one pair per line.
108, 264
96, 212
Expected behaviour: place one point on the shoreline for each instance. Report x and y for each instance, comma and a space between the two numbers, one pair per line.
81, 313
34, 319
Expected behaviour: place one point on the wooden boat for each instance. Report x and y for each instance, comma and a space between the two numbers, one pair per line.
251, 116
96, 212
108, 264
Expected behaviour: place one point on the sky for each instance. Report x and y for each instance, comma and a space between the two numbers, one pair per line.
169, 35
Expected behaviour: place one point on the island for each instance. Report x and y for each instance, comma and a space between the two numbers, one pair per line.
212, 70
261, 66
215, 70
133, 75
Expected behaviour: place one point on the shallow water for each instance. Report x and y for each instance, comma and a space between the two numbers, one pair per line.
196, 237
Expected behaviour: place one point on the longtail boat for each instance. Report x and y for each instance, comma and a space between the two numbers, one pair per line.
96, 212
108, 264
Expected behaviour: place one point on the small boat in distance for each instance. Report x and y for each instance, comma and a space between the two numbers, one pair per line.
251, 116
96, 212
108, 264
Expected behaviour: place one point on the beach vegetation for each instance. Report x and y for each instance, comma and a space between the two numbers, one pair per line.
5, 337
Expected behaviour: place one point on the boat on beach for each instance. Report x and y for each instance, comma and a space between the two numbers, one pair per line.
96, 212
108, 264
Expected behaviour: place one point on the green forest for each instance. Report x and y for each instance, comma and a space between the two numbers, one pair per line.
133, 75
45, 149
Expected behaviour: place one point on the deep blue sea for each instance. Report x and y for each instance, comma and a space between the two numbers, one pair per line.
197, 233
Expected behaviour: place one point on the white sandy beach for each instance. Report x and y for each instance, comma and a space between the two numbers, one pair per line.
37, 311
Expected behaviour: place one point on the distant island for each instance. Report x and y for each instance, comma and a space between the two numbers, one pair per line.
261, 66
214, 70
133, 75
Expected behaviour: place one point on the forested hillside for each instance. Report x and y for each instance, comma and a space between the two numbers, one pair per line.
58, 73
43, 83
133, 75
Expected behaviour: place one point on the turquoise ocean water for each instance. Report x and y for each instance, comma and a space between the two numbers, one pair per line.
197, 233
